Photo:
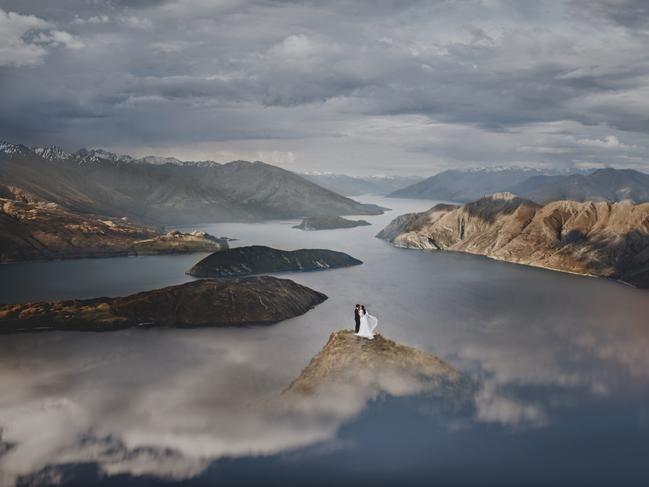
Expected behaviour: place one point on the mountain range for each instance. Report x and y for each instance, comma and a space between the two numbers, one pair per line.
601, 185
358, 185
464, 186
167, 191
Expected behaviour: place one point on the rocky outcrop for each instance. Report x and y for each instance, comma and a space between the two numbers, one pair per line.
354, 363
230, 302
600, 239
32, 229
329, 223
258, 259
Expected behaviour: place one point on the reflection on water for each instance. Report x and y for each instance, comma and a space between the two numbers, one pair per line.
562, 363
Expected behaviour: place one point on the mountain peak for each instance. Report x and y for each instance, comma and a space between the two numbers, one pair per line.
160, 160
7, 148
51, 153
96, 155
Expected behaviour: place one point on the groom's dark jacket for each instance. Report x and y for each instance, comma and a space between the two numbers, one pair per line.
357, 319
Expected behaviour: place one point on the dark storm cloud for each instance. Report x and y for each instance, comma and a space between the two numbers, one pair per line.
408, 81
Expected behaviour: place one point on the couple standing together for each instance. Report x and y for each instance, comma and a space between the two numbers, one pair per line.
365, 322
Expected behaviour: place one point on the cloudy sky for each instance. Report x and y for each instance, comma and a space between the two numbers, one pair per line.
387, 86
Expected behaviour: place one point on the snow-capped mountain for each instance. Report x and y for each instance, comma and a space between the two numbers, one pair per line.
159, 160
52, 153
549, 171
85, 156
9, 149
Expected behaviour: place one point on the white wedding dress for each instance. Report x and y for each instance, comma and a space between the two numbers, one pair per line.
368, 325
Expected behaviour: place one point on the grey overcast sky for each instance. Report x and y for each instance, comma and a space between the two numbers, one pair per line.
387, 86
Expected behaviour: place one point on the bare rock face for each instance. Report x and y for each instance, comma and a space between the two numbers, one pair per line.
259, 259
33, 229
329, 223
348, 362
231, 302
601, 239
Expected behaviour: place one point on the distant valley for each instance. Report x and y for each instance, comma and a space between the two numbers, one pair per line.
358, 185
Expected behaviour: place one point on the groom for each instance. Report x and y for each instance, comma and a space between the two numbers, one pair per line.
357, 317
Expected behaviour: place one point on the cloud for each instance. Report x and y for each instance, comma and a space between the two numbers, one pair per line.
492, 407
244, 75
57, 38
95, 19
24, 39
136, 22
14, 49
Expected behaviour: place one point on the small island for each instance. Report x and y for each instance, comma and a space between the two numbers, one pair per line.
329, 223
211, 302
259, 259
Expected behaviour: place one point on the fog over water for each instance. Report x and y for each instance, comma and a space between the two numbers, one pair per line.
561, 364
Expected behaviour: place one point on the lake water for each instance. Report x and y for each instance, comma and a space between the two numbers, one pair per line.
561, 363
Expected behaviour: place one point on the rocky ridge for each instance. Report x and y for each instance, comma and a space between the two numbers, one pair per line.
602, 239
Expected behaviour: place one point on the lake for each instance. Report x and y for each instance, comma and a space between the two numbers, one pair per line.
561, 363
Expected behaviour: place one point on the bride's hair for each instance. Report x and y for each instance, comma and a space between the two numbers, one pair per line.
363, 308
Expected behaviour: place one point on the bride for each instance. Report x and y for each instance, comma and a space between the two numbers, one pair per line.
368, 324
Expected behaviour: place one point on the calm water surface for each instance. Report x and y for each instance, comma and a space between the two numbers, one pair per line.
561, 363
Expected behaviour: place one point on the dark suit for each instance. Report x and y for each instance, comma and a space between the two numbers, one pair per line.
357, 319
